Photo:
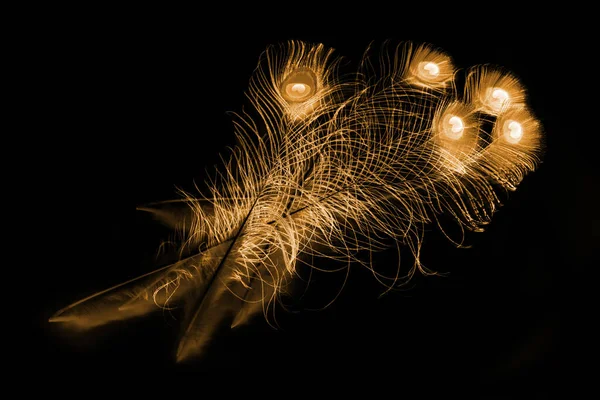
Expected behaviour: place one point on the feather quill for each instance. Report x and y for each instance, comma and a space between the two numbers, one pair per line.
332, 166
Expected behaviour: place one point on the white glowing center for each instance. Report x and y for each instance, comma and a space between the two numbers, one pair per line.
499, 97
297, 91
513, 131
457, 124
298, 88
454, 127
432, 69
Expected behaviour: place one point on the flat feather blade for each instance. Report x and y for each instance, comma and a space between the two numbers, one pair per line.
163, 288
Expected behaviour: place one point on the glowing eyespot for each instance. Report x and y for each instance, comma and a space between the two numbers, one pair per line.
457, 124
513, 131
297, 91
453, 127
429, 68
500, 95
428, 71
494, 91
299, 86
497, 99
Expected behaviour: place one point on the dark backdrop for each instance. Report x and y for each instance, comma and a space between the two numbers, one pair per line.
148, 110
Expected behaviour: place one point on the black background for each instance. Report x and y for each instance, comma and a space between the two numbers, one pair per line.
145, 104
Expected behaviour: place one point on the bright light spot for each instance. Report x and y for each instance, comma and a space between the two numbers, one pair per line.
453, 127
516, 130
428, 71
513, 131
432, 69
297, 91
497, 99
457, 124
299, 88
500, 95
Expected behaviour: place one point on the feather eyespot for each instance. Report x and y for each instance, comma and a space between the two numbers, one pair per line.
453, 127
429, 67
428, 70
299, 86
513, 131
497, 99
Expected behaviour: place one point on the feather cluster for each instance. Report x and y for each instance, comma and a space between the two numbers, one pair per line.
332, 166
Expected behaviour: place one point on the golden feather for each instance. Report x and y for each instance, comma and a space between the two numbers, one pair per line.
332, 166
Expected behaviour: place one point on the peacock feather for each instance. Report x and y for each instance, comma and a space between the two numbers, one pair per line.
331, 166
